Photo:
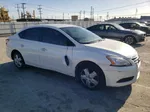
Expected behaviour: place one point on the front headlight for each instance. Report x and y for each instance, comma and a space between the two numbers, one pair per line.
118, 61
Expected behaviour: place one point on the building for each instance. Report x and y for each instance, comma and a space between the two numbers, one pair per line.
74, 18
4, 17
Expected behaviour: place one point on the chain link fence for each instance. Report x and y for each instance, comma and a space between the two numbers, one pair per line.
9, 28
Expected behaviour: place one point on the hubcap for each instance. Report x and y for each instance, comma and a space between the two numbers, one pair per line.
18, 61
89, 78
129, 40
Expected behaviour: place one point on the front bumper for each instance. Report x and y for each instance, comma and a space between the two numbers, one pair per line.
122, 76
141, 38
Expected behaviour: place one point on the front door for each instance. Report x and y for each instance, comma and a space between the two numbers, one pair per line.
112, 32
54, 52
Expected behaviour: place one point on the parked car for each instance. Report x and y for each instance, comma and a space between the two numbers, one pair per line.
136, 26
117, 32
148, 24
77, 52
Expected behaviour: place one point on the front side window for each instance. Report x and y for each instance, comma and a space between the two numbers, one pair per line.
110, 27
134, 25
30, 34
81, 35
52, 36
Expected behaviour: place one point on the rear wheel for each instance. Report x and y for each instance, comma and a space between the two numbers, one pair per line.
129, 40
91, 76
18, 60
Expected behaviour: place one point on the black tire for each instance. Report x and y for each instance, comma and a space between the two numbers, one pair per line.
19, 63
100, 78
129, 40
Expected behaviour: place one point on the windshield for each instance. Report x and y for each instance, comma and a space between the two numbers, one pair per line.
118, 27
81, 35
141, 24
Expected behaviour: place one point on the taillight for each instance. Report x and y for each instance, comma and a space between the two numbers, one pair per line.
7, 40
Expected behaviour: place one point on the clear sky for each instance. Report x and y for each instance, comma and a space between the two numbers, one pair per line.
56, 8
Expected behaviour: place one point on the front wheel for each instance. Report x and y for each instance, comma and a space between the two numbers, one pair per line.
129, 40
18, 60
91, 76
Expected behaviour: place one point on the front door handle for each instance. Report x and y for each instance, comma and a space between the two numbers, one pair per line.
44, 49
22, 45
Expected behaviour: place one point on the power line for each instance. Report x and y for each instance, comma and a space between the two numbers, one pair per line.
62, 10
124, 6
40, 11
91, 12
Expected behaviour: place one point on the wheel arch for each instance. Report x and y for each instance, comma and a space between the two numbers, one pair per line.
131, 36
14, 51
82, 63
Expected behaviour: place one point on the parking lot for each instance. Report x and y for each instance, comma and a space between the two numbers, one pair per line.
37, 90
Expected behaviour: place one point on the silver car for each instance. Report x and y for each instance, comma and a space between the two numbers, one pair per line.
117, 32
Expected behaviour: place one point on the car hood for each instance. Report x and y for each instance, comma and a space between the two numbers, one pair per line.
109, 46
139, 32
146, 27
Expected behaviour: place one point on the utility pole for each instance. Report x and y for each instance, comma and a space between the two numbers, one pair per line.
136, 12
40, 11
18, 11
80, 14
23, 8
100, 17
107, 16
84, 14
68, 16
91, 12
63, 16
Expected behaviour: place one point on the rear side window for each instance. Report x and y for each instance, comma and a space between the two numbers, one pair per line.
30, 34
97, 27
92, 28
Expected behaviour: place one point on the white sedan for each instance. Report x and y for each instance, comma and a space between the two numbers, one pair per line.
77, 52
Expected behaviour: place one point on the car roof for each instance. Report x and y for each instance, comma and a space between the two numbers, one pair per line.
107, 23
129, 22
55, 25
49, 25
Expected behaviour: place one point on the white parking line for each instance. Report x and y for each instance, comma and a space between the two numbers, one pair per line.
141, 86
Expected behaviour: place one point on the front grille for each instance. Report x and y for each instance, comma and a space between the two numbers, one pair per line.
136, 59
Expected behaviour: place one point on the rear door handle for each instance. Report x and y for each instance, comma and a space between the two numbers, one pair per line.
44, 49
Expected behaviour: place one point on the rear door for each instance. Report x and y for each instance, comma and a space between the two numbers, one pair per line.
29, 45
